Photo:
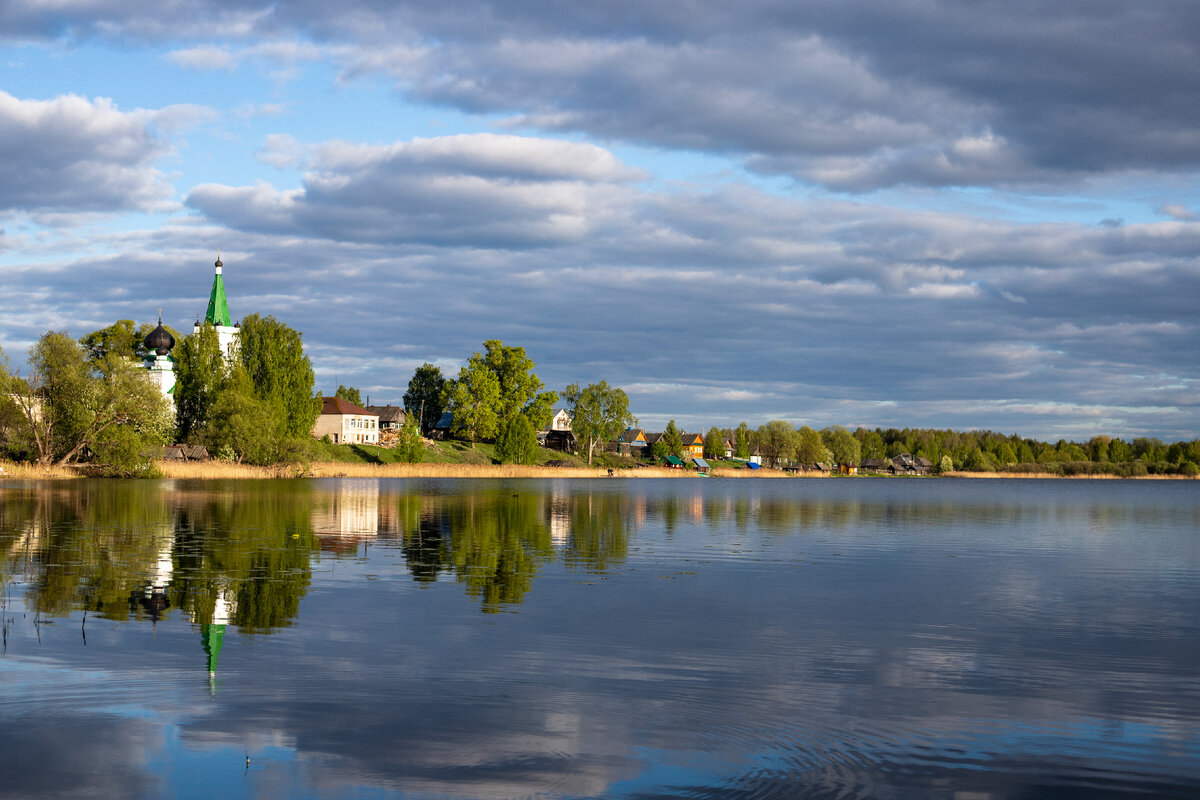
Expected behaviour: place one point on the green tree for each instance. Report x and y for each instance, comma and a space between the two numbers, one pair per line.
842, 445
714, 444
517, 443
776, 442
108, 409
424, 398
122, 338
244, 424
659, 450
810, 449
409, 447
599, 413
976, 461
474, 399
673, 439
520, 389
273, 355
350, 394
946, 465
200, 372
870, 443
741, 441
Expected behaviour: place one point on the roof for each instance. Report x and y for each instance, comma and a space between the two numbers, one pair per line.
674, 461
700, 462
388, 413
341, 407
630, 435
218, 306
445, 421
691, 439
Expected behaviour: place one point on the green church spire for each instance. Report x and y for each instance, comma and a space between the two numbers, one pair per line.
218, 306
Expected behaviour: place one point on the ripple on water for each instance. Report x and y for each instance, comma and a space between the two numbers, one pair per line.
996, 759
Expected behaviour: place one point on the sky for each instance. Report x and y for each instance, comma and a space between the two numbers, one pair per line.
904, 213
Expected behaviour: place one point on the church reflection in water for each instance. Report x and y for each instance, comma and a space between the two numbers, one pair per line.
241, 554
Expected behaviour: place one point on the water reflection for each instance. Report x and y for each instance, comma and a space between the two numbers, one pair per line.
727, 639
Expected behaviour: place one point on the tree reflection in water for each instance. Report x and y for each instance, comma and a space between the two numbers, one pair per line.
241, 553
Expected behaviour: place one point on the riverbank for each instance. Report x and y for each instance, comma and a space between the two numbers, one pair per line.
212, 470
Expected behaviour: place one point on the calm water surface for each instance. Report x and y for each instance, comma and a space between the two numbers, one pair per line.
849, 638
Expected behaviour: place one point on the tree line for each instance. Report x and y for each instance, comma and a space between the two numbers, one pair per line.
779, 443
91, 400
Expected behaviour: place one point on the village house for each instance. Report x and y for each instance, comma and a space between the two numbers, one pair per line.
391, 418
558, 435
345, 423
693, 445
561, 421
632, 442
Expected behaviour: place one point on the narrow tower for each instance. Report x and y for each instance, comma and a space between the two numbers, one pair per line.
159, 361
217, 314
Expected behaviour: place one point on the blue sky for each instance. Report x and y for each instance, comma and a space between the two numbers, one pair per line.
886, 214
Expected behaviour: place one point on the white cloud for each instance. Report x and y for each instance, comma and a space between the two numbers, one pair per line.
75, 154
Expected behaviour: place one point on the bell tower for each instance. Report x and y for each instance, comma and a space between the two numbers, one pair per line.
217, 314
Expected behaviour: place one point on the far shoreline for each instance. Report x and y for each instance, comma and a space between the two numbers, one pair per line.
217, 470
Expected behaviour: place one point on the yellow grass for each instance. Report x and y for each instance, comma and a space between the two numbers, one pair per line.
9, 469
1067, 477
334, 469
338, 469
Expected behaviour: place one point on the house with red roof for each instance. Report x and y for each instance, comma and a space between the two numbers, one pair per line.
346, 423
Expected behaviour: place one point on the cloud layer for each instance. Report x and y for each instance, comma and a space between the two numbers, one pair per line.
917, 215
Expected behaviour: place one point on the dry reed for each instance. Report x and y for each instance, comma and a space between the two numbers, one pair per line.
1097, 477
22, 471
339, 469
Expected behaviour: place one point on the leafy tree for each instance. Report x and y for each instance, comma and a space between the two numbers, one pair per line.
474, 399
517, 443
273, 355
741, 441
349, 393
409, 447
870, 443
540, 410
424, 398
108, 409
244, 423
842, 445
673, 439
122, 338
200, 372
946, 465
714, 444
976, 461
777, 442
520, 389
599, 413
810, 449
659, 450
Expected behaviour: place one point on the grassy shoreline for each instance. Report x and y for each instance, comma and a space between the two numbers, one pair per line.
213, 470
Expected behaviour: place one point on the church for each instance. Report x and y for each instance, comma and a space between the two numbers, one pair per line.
160, 342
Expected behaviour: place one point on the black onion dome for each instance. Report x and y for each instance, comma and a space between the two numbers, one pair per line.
160, 341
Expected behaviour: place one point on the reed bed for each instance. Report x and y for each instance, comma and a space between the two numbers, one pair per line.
23, 471
339, 469
1056, 476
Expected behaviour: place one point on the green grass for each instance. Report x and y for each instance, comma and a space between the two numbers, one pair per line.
443, 452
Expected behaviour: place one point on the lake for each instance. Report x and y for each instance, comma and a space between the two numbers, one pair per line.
674, 638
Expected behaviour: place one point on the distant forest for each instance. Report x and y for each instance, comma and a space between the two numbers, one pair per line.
987, 451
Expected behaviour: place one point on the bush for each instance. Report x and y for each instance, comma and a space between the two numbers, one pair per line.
517, 443
409, 447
